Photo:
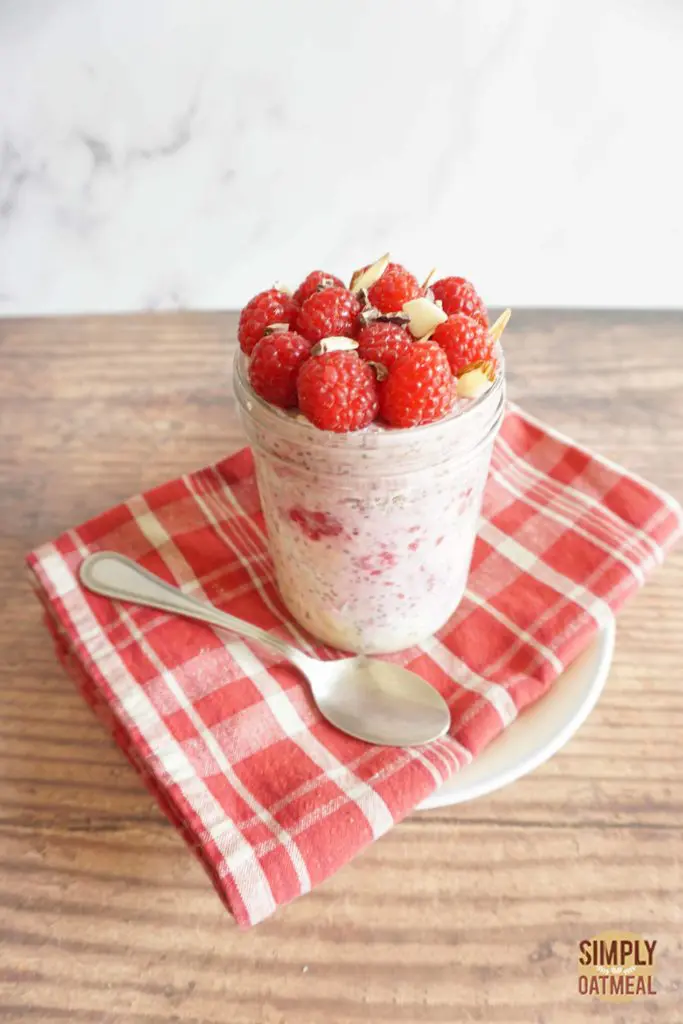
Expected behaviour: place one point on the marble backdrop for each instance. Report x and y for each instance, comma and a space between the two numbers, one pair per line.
169, 153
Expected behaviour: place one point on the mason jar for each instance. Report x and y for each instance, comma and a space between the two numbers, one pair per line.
371, 532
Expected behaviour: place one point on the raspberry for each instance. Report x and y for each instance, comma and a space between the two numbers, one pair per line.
464, 340
315, 525
376, 563
383, 343
458, 296
317, 280
396, 286
419, 388
266, 308
332, 312
338, 391
275, 364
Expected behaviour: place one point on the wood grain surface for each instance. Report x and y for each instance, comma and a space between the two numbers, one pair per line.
465, 914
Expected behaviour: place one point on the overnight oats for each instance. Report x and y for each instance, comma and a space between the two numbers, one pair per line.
372, 413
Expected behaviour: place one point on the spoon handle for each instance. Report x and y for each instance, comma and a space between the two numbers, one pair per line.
114, 575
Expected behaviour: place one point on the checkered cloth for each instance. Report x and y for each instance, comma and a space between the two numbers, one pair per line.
270, 797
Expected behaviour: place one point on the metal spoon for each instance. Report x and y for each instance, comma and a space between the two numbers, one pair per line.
371, 700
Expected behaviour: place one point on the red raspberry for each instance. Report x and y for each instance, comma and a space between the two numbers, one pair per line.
376, 563
275, 364
317, 280
464, 340
458, 296
338, 391
332, 312
396, 286
419, 388
383, 343
315, 525
266, 308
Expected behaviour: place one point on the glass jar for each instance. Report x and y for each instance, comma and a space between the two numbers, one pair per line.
371, 533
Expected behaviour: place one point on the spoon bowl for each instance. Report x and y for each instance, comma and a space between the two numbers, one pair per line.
371, 700
379, 702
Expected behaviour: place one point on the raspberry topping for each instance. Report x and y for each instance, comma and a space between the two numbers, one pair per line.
383, 343
316, 281
377, 563
266, 308
419, 388
396, 286
275, 364
315, 525
329, 313
338, 391
464, 340
459, 296
345, 355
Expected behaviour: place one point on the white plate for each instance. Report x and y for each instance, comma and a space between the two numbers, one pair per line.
539, 732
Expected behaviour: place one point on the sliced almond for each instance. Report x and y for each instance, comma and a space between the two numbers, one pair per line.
370, 315
475, 380
366, 277
428, 279
276, 329
284, 288
500, 325
381, 372
424, 316
487, 366
334, 344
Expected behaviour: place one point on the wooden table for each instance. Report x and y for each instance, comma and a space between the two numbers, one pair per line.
464, 914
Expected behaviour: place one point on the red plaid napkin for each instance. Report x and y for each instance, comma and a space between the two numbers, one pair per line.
272, 798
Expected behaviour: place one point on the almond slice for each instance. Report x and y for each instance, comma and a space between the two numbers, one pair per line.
475, 380
284, 288
325, 282
500, 325
370, 315
428, 279
366, 277
424, 316
276, 329
487, 366
334, 344
381, 372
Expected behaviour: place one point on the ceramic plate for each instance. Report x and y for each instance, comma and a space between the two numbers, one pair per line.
539, 732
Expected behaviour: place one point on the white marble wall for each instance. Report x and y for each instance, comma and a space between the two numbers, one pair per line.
161, 153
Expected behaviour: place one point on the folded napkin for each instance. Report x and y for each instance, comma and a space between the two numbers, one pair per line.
270, 797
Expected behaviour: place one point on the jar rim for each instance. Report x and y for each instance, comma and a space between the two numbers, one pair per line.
307, 433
